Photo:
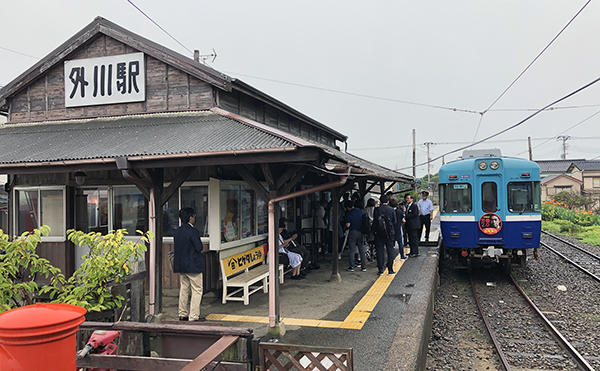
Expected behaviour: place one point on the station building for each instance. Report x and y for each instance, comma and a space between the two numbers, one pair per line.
111, 130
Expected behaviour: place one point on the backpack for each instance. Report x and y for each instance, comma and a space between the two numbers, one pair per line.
381, 226
365, 224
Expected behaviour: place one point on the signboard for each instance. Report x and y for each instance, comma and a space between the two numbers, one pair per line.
237, 263
105, 80
490, 223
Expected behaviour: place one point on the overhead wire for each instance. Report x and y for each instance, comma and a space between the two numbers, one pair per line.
160, 27
528, 66
511, 126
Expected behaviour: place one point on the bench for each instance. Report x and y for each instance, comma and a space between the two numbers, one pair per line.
246, 273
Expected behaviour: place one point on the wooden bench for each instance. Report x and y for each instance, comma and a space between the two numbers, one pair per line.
247, 273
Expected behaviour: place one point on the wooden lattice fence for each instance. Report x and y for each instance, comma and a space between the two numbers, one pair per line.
285, 357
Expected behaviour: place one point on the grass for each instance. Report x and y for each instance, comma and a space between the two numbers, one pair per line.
589, 235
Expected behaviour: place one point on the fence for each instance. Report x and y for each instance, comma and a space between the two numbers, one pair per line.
274, 356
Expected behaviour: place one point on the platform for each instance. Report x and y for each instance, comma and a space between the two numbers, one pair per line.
385, 319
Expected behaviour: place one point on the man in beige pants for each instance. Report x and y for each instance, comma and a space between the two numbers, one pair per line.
189, 263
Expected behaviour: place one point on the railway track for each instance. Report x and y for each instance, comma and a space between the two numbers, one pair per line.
584, 260
522, 335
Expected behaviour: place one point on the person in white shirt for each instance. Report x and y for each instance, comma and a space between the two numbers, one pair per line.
425, 213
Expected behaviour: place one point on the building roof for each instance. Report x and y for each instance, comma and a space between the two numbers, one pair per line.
552, 178
199, 70
555, 166
587, 165
165, 135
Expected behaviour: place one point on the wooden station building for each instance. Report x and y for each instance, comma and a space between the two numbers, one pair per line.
111, 127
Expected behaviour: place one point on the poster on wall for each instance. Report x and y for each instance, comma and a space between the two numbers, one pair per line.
105, 80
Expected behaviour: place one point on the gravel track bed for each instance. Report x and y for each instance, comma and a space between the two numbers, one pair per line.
581, 258
459, 340
591, 248
569, 298
522, 335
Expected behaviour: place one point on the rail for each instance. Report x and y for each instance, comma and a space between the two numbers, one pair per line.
572, 245
577, 357
575, 264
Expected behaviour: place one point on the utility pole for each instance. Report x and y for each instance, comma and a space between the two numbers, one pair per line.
428, 144
529, 145
414, 137
564, 139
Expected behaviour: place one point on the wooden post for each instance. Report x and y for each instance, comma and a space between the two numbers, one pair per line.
335, 216
529, 147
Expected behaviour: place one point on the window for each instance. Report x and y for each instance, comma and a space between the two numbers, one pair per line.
238, 212
262, 215
41, 207
489, 197
95, 218
196, 197
171, 216
456, 198
524, 197
596, 182
4, 211
130, 210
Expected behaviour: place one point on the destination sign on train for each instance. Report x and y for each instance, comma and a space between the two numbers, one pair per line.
105, 80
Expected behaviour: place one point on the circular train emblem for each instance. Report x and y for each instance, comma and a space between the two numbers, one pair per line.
490, 223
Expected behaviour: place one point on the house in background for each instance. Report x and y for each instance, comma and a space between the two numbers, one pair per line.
579, 176
554, 184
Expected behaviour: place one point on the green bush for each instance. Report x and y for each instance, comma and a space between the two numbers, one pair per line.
108, 262
550, 227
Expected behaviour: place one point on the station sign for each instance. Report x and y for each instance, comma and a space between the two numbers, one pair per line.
105, 80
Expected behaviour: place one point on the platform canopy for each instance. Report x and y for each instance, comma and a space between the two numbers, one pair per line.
166, 140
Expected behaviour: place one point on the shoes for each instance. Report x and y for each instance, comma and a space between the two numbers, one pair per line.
303, 274
391, 271
363, 269
403, 257
350, 269
379, 273
297, 277
201, 319
413, 255
184, 318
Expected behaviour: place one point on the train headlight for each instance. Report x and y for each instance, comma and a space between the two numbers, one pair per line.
494, 165
482, 165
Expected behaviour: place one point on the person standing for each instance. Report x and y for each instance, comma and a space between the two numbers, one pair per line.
425, 214
384, 219
412, 224
398, 226
370, 237
354, 217
188, 261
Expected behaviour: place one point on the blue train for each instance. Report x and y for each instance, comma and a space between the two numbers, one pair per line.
490, 209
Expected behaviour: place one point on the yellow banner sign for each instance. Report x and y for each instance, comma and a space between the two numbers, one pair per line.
237, 263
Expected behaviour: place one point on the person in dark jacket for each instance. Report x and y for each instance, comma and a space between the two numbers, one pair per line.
399, 210
188, 261
384, 219
412, 224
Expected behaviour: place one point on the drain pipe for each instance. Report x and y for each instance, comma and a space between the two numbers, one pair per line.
275, 325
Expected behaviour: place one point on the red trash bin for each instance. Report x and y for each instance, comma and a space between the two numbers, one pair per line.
39, 337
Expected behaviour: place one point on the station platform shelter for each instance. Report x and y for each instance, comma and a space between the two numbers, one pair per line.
113, 131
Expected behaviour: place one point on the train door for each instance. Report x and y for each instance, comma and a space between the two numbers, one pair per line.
490, 213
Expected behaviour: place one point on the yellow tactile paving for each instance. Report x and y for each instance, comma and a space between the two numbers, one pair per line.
354, 321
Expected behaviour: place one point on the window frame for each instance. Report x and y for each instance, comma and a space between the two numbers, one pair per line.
533, 202
39, 190
204, 239
497, 203
443, 198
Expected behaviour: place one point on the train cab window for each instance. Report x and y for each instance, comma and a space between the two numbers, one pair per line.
489, 197
524, 197
456, 198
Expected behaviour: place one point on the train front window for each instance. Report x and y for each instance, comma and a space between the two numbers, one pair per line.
524, 197
489, 197
455, 198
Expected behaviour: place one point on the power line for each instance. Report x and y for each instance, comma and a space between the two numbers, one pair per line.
18, 52
564, 131
528, 66
549, 109
455, 109
159, 26
512, 126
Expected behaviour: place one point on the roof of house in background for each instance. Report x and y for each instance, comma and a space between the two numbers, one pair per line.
199, 70
587, 165
555, 166
552, 178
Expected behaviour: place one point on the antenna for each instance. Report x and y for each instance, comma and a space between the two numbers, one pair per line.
204, 57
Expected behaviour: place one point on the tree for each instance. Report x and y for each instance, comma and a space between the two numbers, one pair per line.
573, 201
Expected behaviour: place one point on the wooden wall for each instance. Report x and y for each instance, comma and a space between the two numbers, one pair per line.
255, 110
167, 89
212, 271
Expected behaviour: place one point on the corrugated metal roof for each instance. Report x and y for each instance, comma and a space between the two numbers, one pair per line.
369, 167
587, 165
136, 135
560, 166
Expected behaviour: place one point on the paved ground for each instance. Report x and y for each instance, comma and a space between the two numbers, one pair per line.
318, 300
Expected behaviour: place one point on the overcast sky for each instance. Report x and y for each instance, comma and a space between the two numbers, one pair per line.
451, 53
